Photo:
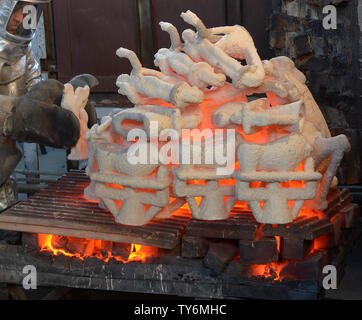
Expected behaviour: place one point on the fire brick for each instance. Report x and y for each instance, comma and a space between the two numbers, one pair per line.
298, 249
350, 215
219, 255
308, 269
29, 239
259, 251
194, 247
332, 239
337, 221
121, 250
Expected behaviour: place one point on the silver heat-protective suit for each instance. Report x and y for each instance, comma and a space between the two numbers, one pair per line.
19, 72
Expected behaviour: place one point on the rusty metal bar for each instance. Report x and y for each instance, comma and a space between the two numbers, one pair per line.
30, 188
61, 209
35, 172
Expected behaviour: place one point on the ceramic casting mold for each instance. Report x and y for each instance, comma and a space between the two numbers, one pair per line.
286, 159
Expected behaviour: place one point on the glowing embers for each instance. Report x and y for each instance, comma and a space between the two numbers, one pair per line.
270, 271
88, 248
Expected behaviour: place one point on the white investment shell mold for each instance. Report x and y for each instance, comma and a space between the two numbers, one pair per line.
192, 90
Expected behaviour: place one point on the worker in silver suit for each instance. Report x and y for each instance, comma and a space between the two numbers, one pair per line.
19, 69
30, 108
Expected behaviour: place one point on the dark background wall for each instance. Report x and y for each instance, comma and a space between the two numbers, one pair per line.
87, 33
330, 60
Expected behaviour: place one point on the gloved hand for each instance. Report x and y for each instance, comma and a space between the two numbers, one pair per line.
35, 118
38, 118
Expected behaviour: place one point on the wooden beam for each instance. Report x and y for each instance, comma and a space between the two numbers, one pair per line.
57, 294
16, 292
62, 210
4, 293
182, 277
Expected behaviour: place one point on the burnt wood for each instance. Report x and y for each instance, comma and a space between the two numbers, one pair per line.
16, 292
29, 240
327, 232
325, 242
337, 200
308, 269
121, 250
310, 228
302, 228
61, 209
241, 225
194, 247
297, 249
337, 222
259, 251
57, 293
350, 215
349, 237
235, 270
160, 275
219, 255
333, 238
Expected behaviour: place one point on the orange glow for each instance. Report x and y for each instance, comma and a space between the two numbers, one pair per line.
240, 206
261, 136
103, 250
309, 213
94, 248
322, 242
141, 253
326, 241
116, 186
268, 270
227, 182
279, 244
196, 181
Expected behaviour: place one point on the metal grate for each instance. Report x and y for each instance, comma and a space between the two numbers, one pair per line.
61, 209
309, 228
